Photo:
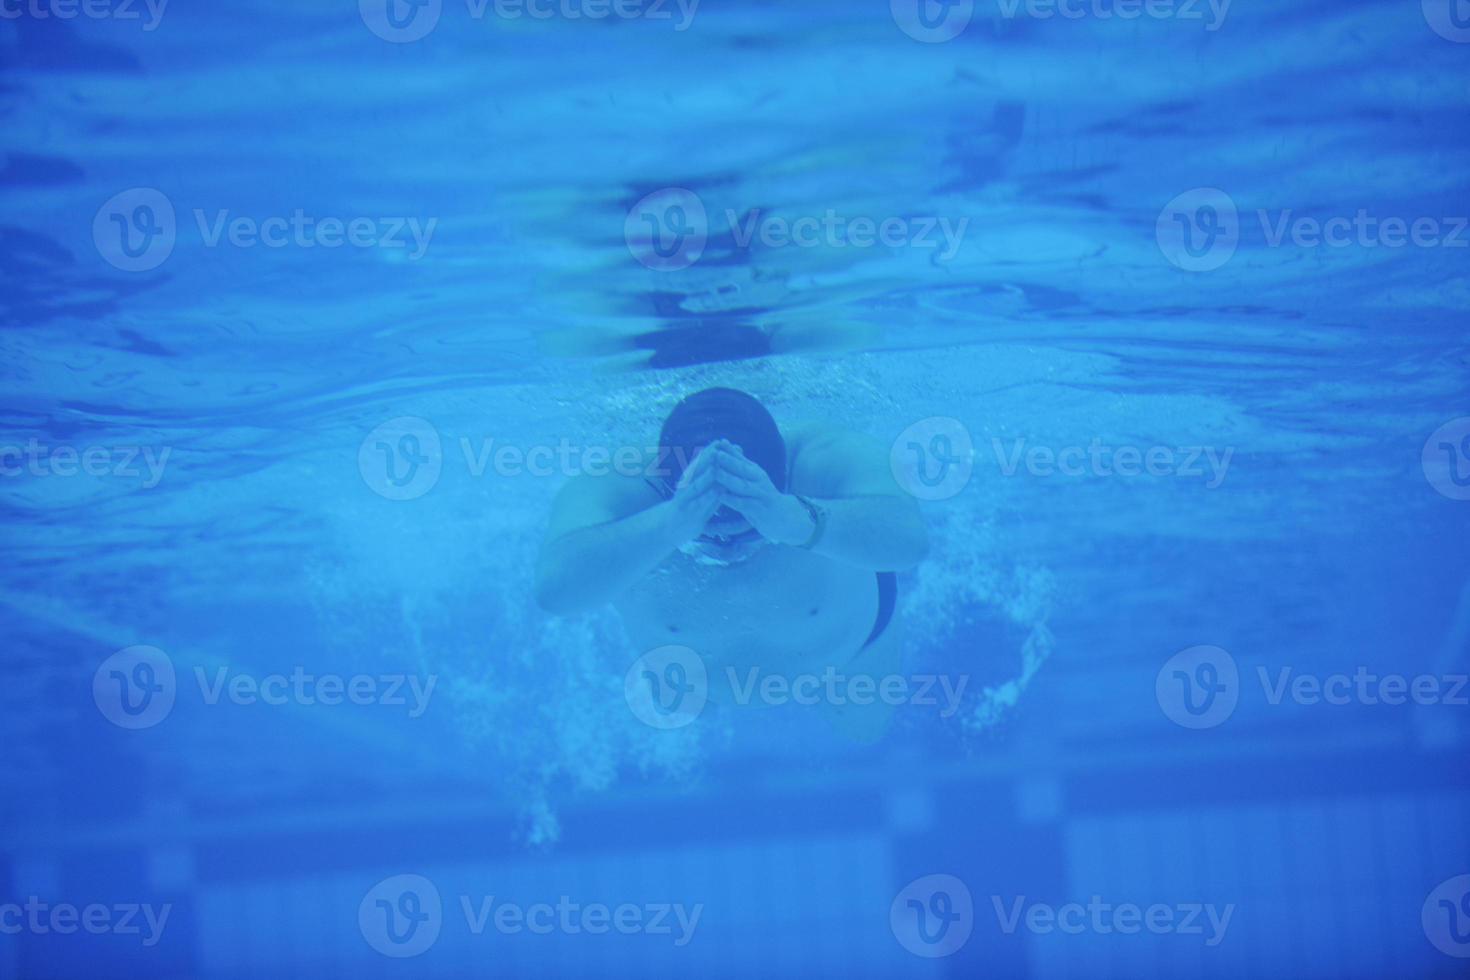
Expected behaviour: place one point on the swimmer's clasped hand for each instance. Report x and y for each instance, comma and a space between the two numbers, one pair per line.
695, 500
746, 487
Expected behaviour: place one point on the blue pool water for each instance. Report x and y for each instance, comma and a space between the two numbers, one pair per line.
309, 310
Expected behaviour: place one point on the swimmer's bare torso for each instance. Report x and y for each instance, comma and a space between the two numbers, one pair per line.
781, 608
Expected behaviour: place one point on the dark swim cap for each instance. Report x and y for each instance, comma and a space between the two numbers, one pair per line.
720, 413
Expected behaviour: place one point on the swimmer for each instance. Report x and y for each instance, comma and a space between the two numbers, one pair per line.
765, 553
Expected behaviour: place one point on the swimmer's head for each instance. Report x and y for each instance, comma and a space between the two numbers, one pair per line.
720, 413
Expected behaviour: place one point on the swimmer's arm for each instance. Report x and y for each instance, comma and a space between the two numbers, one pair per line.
599, 543
608, 533
871, 522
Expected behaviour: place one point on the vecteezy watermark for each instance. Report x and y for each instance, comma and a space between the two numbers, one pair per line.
932, 21
39, 918
833, 230
302, 688
839, 689
405, 21
1100, 460
403, 458
137, 230
668, 230
1200, 230
1450, 19
933, 459
1105, 918
1200, 688
1446, 459
401, 21
38, 460
936, 21
1363, 687
1362, 230
1446, 917
932, 916
668, 687
1210, 13
301, 230
137, 688
90, 9
403, 916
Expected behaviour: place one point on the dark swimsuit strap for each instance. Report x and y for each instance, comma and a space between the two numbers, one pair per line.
887, 602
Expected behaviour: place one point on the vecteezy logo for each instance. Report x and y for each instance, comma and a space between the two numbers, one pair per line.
1198, 687
400, 21
135, 231
933, 458
135, 687
401, 459
933, 916
1446, 917
1450, 19
667, 230
1199, 230
1446, 459
401, 916
667, 688
932, 21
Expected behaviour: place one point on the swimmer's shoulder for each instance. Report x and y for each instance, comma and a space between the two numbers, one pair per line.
831, 461
587, 500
